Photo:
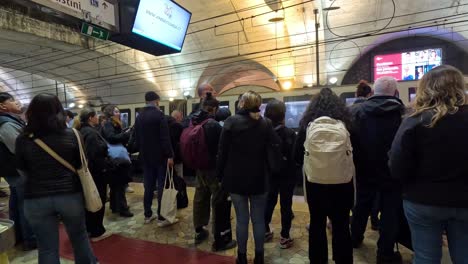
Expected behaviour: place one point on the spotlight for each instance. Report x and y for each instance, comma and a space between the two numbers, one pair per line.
186, 93
71, 105
287, 85
80, 106
333, 80
171, 99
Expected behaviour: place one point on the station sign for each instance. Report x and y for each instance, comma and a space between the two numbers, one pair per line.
98, 12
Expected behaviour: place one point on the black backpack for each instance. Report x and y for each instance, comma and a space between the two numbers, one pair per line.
7, 159
286, 137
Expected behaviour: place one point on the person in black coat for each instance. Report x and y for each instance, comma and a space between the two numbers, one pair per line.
376, 122
120, 176
154, 144
242, 168
428, 156
99, 166
282, 183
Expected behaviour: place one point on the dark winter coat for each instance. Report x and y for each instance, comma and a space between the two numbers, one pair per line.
375, 123
242, 154
96, 150
432, 162
45, 176
152, 137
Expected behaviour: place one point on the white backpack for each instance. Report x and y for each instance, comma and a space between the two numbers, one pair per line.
328, 157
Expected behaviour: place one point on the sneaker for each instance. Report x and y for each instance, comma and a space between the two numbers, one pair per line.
165, 223
226, 246
150, 219
394, 258
101, 237
201, 236
286, 243
268, 236
129, 190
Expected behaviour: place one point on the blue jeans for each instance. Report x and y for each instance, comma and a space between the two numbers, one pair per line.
427, 224
257, 214
151, 175
42, 214
22, 227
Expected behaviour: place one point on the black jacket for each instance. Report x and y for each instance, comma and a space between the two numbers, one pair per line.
96, 150
152, 137
288, 139
375, 123
242, 154
212, 131
175, 131
432, 162
44, 175
7, 158
114, 134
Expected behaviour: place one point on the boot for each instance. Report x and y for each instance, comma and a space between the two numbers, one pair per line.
259, 258
241, 258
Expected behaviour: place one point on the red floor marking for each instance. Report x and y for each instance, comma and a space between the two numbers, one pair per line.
121, 250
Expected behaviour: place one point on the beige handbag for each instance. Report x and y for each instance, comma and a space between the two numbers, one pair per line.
93, 201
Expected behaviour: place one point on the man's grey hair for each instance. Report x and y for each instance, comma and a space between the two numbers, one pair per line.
385, 86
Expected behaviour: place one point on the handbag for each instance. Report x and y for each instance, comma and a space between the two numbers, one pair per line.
118, 153
169, 198
92, 199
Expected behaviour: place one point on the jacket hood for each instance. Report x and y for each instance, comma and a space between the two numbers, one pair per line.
200, 116
381, 105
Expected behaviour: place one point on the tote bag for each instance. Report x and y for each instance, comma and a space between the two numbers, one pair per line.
169, 198
92, 199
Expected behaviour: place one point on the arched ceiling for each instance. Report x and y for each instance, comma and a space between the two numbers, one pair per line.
229, 43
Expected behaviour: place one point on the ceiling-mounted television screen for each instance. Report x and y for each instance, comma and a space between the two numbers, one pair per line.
407, 66
162, 21
157, 27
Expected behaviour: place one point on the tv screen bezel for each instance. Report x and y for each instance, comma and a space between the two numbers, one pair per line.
185, 34
374, 54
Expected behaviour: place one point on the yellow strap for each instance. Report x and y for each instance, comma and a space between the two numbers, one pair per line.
54, 155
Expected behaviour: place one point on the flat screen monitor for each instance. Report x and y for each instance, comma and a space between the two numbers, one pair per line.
294, 112
407, 66
162, 21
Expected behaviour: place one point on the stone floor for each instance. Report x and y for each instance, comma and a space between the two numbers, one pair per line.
182, 233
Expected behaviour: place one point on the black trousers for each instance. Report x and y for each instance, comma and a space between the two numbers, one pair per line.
94, 221
335, 202
390, 206
285, 188
118, 180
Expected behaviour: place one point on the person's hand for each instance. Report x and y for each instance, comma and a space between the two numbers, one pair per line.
170, 163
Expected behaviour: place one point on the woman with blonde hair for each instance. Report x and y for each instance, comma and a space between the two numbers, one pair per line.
429, 157
243, 171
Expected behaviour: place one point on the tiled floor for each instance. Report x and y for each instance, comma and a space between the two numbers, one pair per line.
182, 233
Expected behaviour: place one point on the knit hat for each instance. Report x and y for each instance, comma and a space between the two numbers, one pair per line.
151, 96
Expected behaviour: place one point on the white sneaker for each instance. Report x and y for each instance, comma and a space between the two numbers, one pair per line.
129, 190
150, 219
165, 223
101, 237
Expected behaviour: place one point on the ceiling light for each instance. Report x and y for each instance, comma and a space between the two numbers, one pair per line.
287, 85
172, 93
71, 105
171, 99
80, 106
308, 80
333, 80
186, 93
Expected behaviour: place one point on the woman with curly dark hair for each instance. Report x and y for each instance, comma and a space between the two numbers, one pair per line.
332, 200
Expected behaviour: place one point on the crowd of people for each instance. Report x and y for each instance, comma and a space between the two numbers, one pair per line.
400, 165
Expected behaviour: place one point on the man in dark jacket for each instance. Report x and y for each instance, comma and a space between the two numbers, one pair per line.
202, 90
208, 186
11, 126
376, 122
154, 144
